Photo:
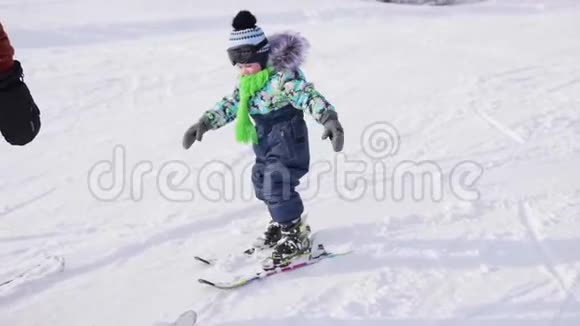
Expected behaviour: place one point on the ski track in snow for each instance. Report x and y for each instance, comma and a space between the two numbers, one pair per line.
533, 229
529, 219
508, 258
31, 201
118, 257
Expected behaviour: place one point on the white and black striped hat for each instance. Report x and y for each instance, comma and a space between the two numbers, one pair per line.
245, 33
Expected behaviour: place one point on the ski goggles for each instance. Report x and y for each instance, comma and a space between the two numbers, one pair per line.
245, 53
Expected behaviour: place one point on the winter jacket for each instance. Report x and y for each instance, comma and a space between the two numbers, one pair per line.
287, 85
6, 51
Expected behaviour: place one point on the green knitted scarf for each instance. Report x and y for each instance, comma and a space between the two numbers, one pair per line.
249, 85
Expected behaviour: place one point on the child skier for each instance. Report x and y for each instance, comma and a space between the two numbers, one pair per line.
274, 93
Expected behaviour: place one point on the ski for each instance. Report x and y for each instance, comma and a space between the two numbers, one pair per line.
250, 252
242, 281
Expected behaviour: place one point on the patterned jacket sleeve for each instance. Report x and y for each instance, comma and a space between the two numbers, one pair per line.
224, 111
304, 96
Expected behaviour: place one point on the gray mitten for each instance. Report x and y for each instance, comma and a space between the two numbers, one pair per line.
332, 129
196, 132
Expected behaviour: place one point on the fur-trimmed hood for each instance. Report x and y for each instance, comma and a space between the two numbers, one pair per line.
287, 50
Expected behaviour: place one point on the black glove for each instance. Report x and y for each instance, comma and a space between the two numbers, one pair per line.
12, 77
196, 132
332, 129
19, 115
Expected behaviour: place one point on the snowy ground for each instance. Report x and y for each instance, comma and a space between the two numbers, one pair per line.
490, 87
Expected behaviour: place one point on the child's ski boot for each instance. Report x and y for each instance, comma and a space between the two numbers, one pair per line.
266, 240
294, 243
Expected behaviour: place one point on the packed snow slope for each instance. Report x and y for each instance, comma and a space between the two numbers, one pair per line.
101, 216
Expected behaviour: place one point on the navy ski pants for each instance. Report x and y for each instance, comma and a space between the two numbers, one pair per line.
282, 158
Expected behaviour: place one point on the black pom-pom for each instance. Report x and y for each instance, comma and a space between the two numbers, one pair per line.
244, 20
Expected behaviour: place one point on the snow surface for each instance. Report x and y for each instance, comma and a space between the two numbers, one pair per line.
488, 85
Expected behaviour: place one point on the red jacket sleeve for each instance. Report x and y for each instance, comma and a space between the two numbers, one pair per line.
6, 51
